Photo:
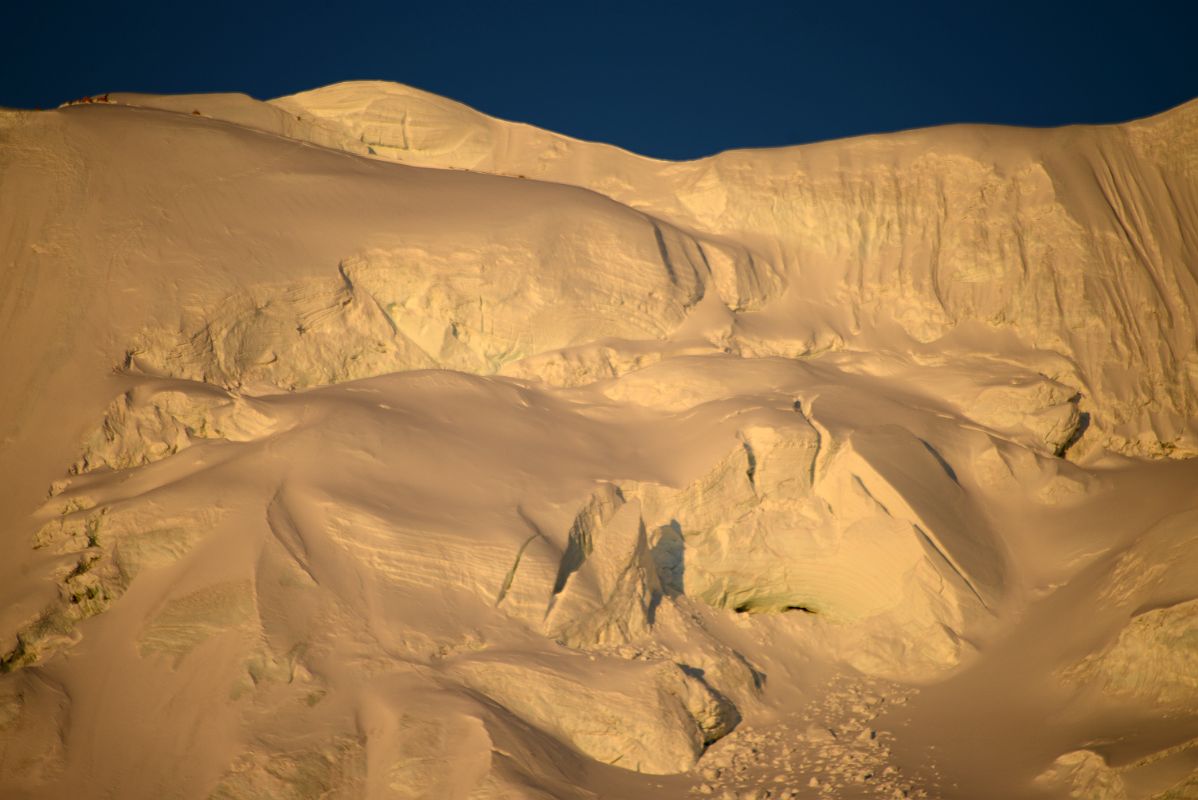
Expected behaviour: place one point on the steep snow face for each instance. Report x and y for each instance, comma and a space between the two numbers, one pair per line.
528, 467
1079, 240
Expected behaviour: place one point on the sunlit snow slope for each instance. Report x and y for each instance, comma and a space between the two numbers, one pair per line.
356, 444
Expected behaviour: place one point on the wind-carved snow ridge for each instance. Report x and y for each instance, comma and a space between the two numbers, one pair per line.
396, 451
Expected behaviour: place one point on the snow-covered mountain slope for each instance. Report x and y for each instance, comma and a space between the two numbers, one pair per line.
529, 467
928, 229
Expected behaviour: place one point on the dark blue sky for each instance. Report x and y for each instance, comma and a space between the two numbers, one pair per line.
673, 80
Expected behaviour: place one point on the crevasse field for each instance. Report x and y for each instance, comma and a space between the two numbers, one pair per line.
355, 444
